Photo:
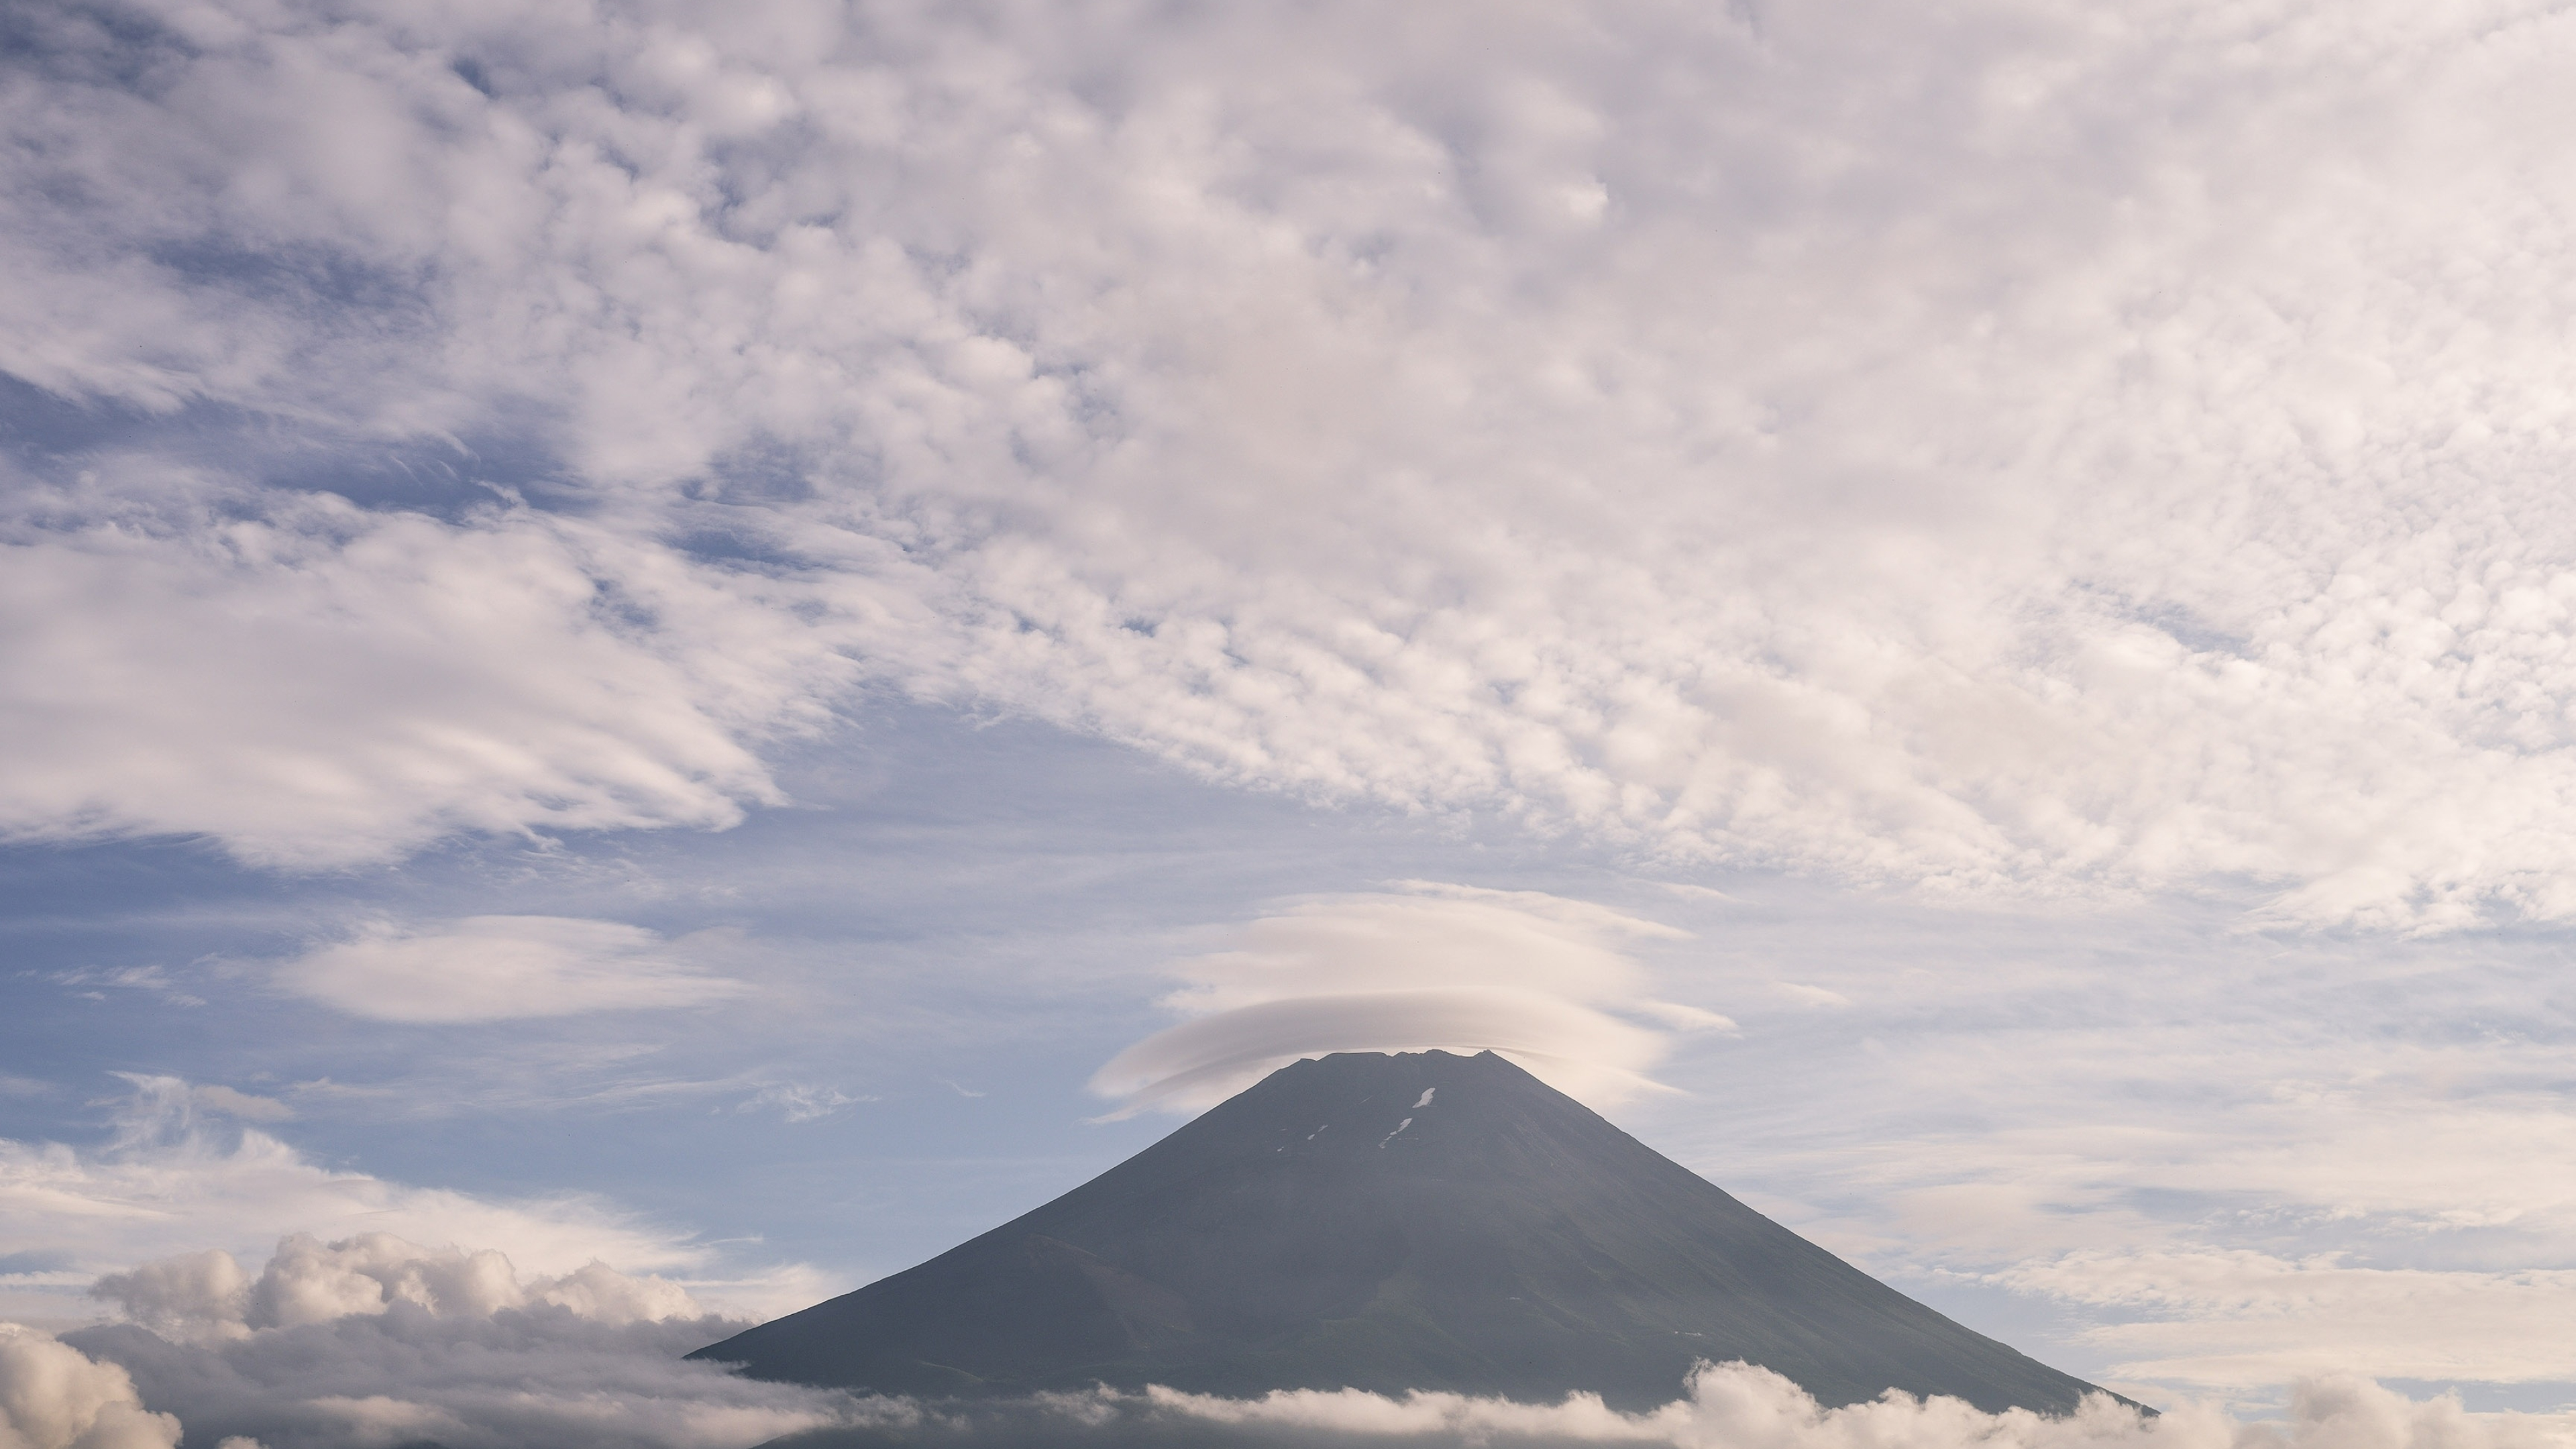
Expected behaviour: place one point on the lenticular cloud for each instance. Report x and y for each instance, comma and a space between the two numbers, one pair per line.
2001, 446
1544, 980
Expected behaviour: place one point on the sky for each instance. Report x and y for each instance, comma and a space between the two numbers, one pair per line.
736, 641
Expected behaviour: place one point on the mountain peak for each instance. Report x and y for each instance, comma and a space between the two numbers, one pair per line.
1422, 1220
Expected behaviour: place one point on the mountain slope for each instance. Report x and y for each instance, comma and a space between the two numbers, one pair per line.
1388, 1223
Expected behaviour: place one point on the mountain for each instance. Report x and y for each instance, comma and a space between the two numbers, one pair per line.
1424, 1221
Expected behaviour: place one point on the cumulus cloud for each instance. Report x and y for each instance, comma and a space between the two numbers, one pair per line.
54, 1397
205, 1296
377, 1341
1543, 979
496, 968
171, 1181
1988, 447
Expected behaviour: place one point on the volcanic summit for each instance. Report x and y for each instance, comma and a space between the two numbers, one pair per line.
1419, 1221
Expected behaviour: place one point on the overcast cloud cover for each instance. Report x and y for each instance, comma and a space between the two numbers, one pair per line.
1962, 613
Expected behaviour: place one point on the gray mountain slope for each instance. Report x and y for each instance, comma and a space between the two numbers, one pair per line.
1424, 1221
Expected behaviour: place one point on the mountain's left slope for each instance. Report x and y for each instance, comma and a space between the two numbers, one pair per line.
1388, 1223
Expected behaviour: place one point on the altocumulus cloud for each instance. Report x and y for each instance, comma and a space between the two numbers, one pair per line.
1999, 447
316, 684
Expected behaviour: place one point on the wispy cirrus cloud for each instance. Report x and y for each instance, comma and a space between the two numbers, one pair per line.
502, 968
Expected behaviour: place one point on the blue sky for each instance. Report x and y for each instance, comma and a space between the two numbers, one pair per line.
740, 641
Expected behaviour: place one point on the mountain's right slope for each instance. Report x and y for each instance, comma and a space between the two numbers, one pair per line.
1424, 1221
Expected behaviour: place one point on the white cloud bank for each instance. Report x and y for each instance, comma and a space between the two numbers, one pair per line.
1729, 1406
497, 968
374, 1341
171, 1182
206, 1297
2004, 446
54, 1397
1540, 978
1738, 1406
378, 1370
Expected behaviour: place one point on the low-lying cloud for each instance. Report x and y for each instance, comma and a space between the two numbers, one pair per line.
394, 1359
1727, 1406
170, 1182
375, 1341
497, 968
206, 1297
1545, 980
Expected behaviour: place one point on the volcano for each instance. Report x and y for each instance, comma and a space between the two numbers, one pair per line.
1421, 1221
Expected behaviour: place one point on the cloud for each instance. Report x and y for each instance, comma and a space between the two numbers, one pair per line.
1540, 978
392, 1352
250, 1108
1978, 447
2242, 1318
1801, 994
53, 1397
315, 684
801, 1102
376, 1341
205, 1296
2154, 1150
498, 968
127, 978
170, 1182
1734, 1405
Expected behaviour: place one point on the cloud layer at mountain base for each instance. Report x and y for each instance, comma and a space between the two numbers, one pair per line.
481, 1375
171, 1181
2000, 448
1728, 1406
374, 1340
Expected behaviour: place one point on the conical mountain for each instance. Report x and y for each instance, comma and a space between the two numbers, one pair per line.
1424, 1221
